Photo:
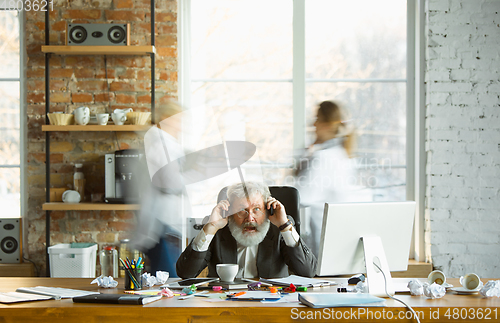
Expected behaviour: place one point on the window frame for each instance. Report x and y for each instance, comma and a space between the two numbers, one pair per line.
22, 113
415, 98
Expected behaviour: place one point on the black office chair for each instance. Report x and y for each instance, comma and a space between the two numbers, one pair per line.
287, 195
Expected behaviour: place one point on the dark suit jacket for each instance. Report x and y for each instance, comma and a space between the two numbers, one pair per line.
274, 257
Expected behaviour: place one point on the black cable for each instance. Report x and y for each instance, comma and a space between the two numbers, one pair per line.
36, 267
109, 99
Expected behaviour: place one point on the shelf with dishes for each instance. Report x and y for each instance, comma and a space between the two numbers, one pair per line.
61, 206
98, 50
81, 120
108, 127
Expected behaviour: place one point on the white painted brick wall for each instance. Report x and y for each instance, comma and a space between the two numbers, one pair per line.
463, 136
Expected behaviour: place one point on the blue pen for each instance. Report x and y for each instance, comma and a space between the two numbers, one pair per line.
139, 261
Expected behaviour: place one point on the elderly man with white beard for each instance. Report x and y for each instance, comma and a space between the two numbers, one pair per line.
263, 245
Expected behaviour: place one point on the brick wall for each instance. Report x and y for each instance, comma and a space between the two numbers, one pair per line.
81, 80
463, 136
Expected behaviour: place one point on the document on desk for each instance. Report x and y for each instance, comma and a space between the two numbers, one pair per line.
319, 300
15, 297
298, 281
55, 292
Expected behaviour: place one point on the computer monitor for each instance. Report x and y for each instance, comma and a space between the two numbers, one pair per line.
342, 250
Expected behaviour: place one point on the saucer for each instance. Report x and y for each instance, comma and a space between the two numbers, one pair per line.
465, 291
446, 285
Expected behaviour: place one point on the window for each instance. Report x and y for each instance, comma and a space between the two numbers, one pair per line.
263, 66
10, 112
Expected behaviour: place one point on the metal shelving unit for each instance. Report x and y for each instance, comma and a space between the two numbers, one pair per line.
87, 50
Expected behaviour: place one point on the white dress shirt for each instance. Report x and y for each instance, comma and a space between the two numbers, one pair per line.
246, 256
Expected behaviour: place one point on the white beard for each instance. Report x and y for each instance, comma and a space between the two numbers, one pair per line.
248, 239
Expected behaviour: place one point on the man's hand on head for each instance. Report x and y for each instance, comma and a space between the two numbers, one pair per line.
279, 218
217, 219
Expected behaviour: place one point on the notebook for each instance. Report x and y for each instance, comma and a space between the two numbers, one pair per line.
15, 297
55, 292
319, 300
117, 299
257, 295
236, 284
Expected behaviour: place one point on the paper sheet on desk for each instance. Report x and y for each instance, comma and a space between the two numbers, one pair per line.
15, 297
55, 292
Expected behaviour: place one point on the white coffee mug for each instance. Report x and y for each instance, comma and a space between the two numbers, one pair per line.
437, 276
471, 281
71, 196
82, 115
119, 118
227, 272
123, 110
102, 119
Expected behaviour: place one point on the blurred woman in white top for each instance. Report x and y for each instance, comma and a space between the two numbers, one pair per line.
326, 173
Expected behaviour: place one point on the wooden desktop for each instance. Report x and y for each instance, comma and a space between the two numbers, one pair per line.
452, 307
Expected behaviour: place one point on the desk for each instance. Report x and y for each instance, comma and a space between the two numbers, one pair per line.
198, 310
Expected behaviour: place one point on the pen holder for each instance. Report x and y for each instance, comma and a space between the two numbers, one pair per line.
133, 279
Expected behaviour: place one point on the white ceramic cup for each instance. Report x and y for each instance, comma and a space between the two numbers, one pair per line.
471, 281
82, 115
227, 272
71, 196
127, 110
119, 118
102, 119
436, 276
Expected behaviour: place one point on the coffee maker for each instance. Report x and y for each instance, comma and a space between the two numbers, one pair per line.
121, 176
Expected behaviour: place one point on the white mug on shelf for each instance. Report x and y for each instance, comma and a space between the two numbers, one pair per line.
123, 110
102, 119
119, 118
71, 196
82, 115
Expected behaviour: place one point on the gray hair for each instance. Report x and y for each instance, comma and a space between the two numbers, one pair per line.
240, 190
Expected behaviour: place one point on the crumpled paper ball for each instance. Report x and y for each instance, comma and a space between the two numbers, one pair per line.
492, 288
162, 277
106, 282
148, 280
361, 287
416, 288
434, 290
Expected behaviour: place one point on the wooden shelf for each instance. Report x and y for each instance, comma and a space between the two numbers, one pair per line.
98, 50
25, 269
54, 206
96, 128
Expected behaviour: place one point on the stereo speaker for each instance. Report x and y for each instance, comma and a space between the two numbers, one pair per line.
10, 241
98, 34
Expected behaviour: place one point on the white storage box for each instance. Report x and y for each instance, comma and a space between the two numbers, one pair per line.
73, 260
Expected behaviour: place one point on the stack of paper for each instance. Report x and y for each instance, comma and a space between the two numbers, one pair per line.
318, 300
15, 297
55, 292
